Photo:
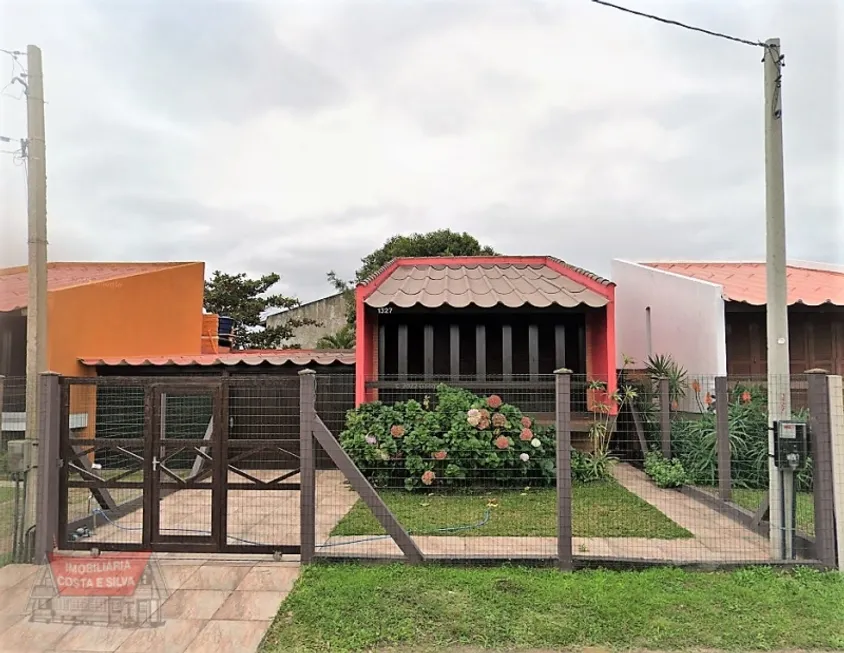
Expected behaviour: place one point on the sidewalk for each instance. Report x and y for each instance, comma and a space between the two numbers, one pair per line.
219, 605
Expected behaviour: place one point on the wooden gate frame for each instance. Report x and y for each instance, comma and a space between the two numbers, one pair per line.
312, 427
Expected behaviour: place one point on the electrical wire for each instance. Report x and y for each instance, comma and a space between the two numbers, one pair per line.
676, 23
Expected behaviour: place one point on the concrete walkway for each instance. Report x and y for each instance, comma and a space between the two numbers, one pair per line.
216, 605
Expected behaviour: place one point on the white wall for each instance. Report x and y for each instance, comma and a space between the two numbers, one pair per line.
686, 321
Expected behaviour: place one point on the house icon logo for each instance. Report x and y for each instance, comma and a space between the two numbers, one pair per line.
117, 589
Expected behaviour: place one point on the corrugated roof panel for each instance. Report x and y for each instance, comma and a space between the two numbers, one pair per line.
271, 357
747, 282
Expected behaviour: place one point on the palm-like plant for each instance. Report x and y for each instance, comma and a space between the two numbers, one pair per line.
343, 339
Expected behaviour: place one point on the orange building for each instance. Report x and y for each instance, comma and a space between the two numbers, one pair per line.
104, 309
98, 310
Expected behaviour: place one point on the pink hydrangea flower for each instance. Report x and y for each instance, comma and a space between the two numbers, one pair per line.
526, 435
440, 455
428, 477
502, 442
498, 420
483, 424
494, 401
397, 431
526, 423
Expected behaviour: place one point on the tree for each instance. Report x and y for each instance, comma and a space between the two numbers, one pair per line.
343, 339
442, 242
244, 300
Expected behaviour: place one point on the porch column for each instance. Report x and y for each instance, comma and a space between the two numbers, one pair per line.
382, 349
480, 352
429, 351
402, 362
454, 351
507, 351
533, 351
560, 347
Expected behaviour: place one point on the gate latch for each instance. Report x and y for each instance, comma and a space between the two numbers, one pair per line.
154, 463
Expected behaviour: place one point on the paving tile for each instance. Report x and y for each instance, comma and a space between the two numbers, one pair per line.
278, 578
250, 606
176, 575
33, 636
93, 638
229, 636
9, 620
216, 577
193, 604
14, 600
173, 637
11, 575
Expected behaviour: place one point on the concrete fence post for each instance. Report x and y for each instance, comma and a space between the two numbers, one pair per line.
307, 466
665, 417
722, 424
821, 447
565, 560
48, 462
836, 423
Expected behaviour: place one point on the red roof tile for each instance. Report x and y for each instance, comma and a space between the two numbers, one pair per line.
485, 281
248, 357
745, 282
14, 281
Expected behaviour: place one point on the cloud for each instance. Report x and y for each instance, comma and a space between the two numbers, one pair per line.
296, 137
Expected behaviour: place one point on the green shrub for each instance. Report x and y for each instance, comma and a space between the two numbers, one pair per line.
665, 473
694, 442
457, 439
587, 467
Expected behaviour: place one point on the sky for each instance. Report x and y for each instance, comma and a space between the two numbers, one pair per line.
297, 136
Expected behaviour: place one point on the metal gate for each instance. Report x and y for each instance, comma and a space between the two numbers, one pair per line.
180, 464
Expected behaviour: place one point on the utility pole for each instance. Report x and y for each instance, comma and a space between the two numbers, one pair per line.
36, 308
779, 385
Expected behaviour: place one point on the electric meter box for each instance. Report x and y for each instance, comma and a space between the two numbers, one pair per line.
791, 444
21, 456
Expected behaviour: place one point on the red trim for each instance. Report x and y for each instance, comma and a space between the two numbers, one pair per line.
606, 290
363, 359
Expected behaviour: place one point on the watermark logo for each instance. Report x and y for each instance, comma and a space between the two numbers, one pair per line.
112, 589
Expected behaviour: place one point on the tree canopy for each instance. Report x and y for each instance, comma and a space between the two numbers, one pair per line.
442, 242
244, 300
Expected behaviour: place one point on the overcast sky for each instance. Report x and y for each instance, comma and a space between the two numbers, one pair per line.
296, 137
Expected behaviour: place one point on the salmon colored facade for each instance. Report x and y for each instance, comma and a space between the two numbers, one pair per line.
600, 349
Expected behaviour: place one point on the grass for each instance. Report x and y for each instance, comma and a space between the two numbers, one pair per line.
601, 509
361, 608
750, 499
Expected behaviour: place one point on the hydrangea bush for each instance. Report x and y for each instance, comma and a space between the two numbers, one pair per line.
462, 438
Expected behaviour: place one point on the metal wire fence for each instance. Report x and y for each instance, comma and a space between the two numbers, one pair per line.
660, 473
12, 427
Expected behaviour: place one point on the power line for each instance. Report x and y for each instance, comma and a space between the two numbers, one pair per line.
676, 23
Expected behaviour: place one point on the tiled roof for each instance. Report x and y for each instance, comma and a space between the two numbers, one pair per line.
746, 282
484, 282
248, 357
14, 281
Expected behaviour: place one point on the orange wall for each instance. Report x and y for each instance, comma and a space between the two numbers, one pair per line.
153, 313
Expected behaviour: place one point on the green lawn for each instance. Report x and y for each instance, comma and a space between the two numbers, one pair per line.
361, 608
751, 499
602, 509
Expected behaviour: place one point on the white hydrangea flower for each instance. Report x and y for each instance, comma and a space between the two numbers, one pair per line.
524, 457
535, 443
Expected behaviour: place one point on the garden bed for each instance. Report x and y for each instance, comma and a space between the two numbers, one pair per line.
600, 509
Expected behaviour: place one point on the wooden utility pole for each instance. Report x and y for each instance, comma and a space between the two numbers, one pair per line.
779, 385
36, 308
